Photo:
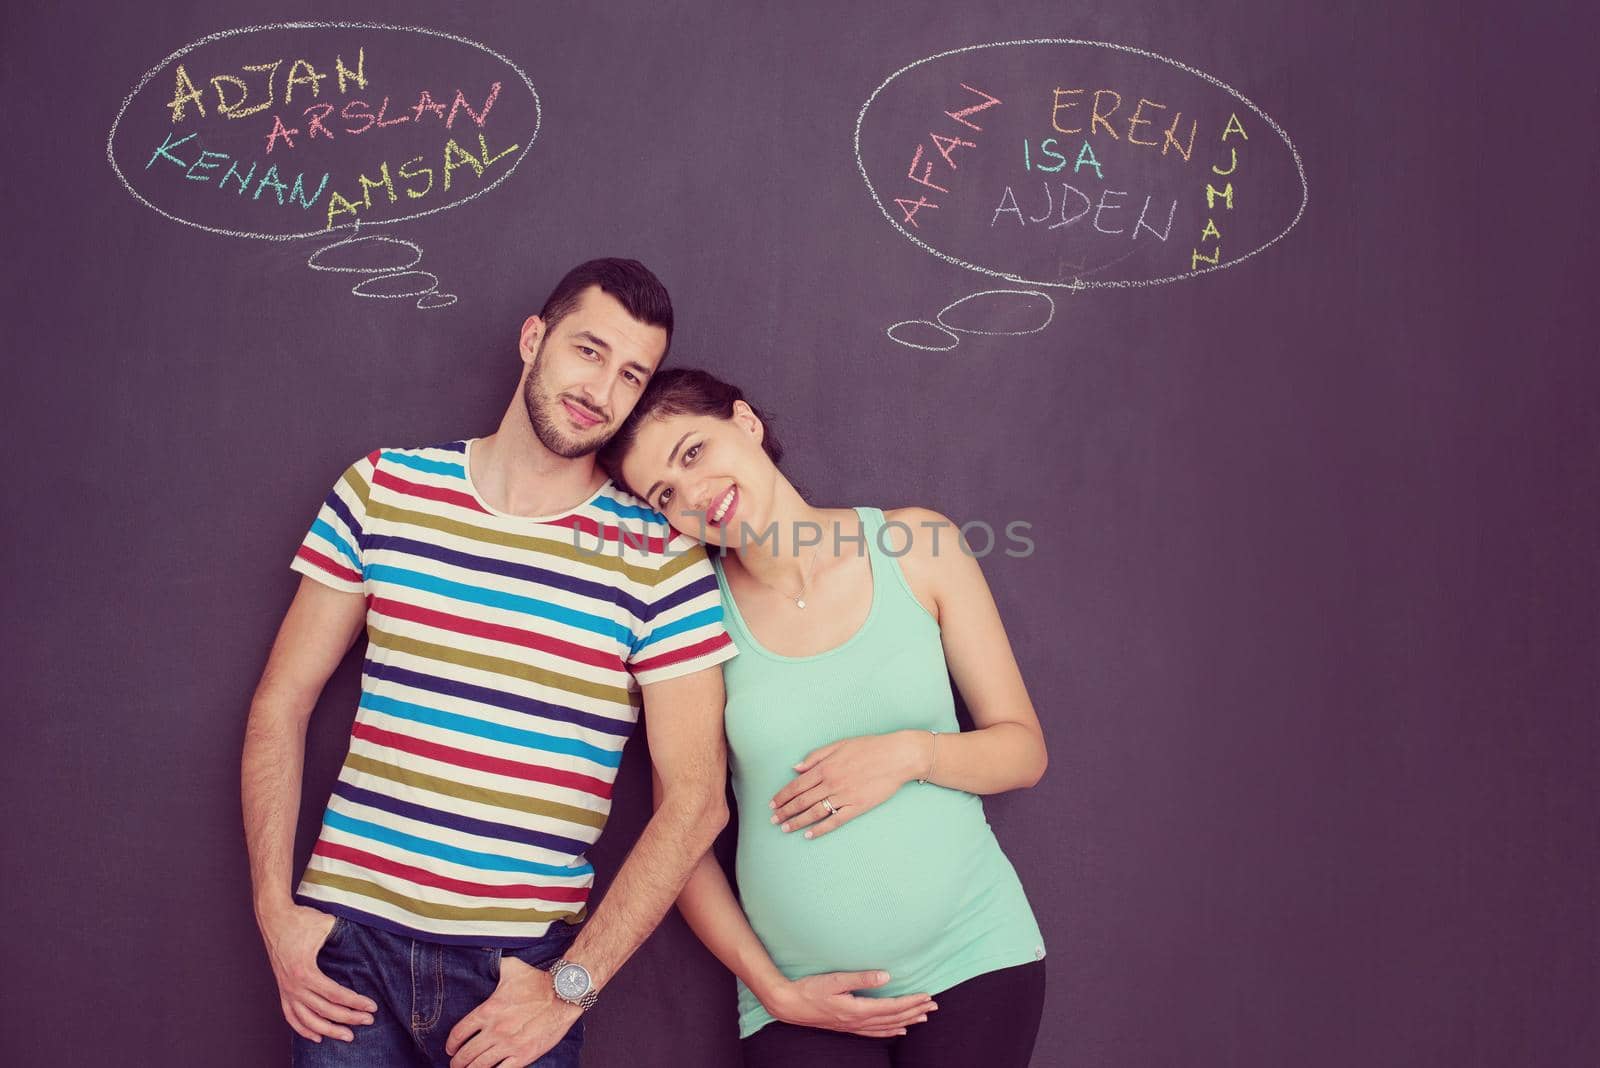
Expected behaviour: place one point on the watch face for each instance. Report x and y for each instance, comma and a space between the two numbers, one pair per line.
572, 981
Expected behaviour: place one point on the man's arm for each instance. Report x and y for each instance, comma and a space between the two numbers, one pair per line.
683, 720
318, 629
688, 751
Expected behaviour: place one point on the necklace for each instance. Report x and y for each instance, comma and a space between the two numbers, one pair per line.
805, 581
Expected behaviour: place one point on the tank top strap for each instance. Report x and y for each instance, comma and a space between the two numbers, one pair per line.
872, 524
890, 586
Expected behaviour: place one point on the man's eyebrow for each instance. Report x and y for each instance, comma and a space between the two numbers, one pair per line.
596, 341
673, 455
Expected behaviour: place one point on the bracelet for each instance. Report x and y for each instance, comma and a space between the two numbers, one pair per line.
931, 763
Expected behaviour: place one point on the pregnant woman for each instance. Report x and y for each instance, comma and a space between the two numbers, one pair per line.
880, 923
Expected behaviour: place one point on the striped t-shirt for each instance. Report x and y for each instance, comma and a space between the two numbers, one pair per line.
505, 656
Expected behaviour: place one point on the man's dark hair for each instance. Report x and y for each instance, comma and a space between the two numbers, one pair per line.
630, 282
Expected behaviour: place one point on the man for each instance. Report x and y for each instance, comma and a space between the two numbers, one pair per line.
506, 663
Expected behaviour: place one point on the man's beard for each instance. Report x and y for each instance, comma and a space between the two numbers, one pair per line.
541, 407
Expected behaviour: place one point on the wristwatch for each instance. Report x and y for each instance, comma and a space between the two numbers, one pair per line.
573, 983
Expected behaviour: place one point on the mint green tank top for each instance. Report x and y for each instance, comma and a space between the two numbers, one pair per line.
918, 886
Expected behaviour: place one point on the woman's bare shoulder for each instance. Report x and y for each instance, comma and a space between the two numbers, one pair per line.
925, 542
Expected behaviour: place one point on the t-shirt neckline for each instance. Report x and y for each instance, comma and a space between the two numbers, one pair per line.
466, 471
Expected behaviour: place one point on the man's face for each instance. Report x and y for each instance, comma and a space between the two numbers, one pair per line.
586, 372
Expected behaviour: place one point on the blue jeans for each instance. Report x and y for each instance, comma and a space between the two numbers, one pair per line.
423, 989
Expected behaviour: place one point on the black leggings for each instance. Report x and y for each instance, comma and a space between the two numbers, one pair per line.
991, 1020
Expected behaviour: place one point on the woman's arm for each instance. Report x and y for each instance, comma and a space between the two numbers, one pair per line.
827, 1001
1006, 749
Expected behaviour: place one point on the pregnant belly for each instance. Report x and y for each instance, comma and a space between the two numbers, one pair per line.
869, 894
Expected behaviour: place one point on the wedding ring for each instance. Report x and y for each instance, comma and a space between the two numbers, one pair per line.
828, 804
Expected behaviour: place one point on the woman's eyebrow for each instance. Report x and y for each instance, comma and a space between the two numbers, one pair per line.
671, 456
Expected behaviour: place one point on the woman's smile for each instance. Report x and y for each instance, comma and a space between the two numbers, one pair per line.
722, 508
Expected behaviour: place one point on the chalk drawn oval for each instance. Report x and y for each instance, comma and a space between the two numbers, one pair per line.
1076, 164
382, 287
318, 260
998, 313
921, 334
428, 119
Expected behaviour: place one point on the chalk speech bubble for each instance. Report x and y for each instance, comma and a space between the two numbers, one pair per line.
290, 130
1076, 164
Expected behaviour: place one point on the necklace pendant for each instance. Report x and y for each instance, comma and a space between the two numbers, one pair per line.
799, 602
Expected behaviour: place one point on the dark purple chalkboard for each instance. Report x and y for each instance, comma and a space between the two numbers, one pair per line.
1311, 615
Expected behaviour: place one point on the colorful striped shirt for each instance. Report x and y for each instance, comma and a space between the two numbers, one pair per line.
505, 656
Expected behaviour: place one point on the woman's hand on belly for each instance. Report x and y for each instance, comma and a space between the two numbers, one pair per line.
829, 1001
839, 782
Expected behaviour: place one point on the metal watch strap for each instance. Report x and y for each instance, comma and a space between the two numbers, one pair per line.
590, 996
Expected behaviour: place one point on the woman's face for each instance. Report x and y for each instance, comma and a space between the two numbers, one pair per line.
708, 476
